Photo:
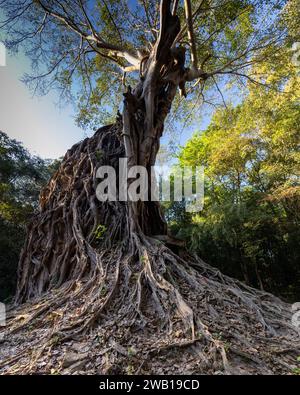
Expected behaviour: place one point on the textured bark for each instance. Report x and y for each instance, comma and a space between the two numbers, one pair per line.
62, 237
59, 244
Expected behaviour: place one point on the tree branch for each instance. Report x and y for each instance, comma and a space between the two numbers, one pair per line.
91, 38
150, 24
190, 27
113, 21
183, 29
169, 28
175, 5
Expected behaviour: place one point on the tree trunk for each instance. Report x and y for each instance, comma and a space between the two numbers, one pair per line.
62, 237
60, 240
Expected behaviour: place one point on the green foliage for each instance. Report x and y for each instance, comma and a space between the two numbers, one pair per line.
99, 232
11, 241
229, 36
250, 223
131, 352
296, 371
103, 291
99, 155
21, 178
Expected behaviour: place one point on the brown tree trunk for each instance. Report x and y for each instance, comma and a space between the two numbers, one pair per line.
59, 244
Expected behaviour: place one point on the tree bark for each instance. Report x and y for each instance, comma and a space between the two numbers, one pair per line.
59, 244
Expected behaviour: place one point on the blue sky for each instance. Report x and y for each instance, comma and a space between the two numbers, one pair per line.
38, 122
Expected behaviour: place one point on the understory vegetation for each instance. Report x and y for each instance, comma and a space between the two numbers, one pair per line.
249, 227
21, 178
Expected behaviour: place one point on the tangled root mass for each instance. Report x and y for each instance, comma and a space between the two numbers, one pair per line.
118, 301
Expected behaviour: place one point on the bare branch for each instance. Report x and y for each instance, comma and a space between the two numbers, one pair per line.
184, 28
150, 24
175, 5
220, 92
91, 38
15, 17
190, 27
87, 18
113, 21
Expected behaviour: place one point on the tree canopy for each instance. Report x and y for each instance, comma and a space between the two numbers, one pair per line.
90, 49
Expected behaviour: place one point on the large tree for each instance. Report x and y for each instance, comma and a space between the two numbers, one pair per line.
21, 178
114, 262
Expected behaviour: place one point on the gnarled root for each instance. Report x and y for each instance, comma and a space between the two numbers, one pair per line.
152, 312
122, 301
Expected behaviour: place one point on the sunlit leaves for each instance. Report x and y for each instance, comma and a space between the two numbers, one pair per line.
250, 223
230, 35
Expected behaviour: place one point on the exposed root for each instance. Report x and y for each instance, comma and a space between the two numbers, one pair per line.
156, 309
123, 302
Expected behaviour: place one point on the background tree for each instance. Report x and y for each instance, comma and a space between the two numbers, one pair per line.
21, 178
250, 224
